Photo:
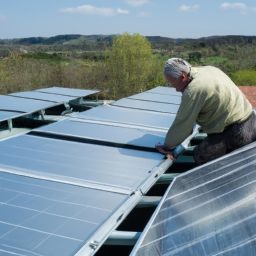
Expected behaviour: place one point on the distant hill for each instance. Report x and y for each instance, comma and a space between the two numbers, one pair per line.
107, 39
60, 39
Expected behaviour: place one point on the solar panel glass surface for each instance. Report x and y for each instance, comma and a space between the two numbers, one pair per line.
88, 164
164, 90
209, 210
23, 105
68, 91
129, 116
5, 115
147, 105
105, 132
169, 99
43, 96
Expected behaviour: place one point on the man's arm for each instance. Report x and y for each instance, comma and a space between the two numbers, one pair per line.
191, 105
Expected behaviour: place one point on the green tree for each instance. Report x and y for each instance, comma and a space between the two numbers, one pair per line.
129, 63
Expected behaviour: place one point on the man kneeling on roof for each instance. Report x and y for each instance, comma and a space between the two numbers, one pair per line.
214, 102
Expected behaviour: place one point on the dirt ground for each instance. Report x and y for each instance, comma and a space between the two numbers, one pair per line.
250, 93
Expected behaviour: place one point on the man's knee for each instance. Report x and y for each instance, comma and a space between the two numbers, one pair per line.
209, 149
198, 156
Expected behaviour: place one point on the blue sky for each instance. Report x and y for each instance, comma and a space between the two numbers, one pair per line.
169, 18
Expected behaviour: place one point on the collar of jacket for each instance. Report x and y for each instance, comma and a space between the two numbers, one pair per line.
192, 74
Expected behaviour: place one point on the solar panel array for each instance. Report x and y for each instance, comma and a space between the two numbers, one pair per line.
67, 185
209, 210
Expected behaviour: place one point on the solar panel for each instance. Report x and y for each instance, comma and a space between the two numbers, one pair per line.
164, 90
43, 96
129, 116
5, 115
147, 105
39, 217
95, 166
209, 210
9, 103
68, 91
104, 133
169, 99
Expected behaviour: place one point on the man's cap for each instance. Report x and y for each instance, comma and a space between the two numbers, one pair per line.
175, 66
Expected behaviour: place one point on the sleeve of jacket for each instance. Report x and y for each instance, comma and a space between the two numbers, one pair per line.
191, 105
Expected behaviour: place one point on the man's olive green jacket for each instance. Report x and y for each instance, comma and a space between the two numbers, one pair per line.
211, 100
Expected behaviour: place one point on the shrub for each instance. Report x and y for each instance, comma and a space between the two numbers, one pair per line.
244, 77
195, 56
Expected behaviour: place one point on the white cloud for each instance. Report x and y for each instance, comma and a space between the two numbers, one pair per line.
233, 6
143, 14
2, 17
89, 9
241, 6
120, 11
137, 2
186, 8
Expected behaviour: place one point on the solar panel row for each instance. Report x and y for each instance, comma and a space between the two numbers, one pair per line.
24, 103
158, 100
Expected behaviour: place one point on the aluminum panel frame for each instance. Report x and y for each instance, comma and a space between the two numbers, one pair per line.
68, 91
43, 96
98, 238
209, 210
147, 105
161, 98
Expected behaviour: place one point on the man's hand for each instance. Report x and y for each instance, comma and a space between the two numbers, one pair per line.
165, 151
171, 157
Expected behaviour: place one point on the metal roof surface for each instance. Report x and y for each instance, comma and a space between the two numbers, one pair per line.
129, 116
209, 210
39, 217
68, 91
171, 99
43, 96
104, 132
147, 105
10, 103
164, 90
